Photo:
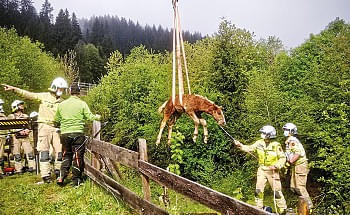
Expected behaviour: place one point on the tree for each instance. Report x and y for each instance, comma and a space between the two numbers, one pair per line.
62, 33
76, 32
90, 62
315, 79
23, 64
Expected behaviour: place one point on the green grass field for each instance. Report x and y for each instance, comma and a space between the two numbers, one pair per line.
19, 194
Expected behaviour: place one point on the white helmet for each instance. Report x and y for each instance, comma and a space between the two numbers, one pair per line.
268, 131
289, 128
15, 105
58, 83
33, 114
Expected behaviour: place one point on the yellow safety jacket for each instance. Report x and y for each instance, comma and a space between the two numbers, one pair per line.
268, 155
48, 104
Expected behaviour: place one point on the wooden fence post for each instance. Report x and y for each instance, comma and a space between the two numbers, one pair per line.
145, 180
96, 128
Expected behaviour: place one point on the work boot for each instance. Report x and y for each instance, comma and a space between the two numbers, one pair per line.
77, 182
57, 173
267, 208
31, 169
60, 181
46, 180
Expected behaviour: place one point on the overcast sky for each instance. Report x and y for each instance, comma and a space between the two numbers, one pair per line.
290, 20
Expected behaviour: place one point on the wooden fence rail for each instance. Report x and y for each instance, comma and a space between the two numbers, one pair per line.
136, 202
204, 195
217, 201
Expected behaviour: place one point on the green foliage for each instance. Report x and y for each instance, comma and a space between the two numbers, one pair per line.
23, 64
176, 152
90, 62
315, 81
131, 94
257, 83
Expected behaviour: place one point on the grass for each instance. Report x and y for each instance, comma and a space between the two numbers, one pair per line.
20, 195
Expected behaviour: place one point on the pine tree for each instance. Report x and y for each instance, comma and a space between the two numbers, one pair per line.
62, 33
46, 19
76, 32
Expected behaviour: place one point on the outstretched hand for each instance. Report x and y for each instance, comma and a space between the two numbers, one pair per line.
7, 87
237, 143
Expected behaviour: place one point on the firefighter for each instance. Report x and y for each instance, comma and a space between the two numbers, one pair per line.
2, 138
296, 156
71, 116
21, 139
47, 133
271, 159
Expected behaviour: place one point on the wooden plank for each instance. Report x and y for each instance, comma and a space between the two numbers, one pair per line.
145, 180
139, 204
109, 163
96, 130
115, 153
204, 195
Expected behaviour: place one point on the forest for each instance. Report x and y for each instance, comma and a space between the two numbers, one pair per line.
256, 81
92, 40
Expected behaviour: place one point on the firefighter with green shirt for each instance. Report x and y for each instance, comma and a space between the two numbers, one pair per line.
71, 116
296, 156
47, 133
271, 159
2, 138
21, 139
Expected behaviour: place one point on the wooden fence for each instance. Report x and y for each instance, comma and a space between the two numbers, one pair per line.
110, 154
85, 87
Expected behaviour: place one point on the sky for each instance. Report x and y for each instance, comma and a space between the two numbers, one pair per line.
290, 20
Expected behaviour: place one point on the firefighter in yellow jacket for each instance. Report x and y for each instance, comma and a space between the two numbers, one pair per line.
296, 156
2, 138
47, 133
271, 159
21, 139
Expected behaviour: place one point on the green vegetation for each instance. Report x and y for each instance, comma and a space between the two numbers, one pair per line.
20, 195
257, 83
23, 64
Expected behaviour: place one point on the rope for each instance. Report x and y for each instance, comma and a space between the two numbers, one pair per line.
174, 58
178, 49
233, 139
178, 55
274, 192
183, 51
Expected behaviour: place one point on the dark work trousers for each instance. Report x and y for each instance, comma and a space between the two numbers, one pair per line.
73, 149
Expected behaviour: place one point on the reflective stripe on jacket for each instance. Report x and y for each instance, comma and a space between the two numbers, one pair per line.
268, 155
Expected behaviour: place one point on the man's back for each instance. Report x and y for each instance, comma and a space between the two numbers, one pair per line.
72, 115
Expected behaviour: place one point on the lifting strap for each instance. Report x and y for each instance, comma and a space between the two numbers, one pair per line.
178, 49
